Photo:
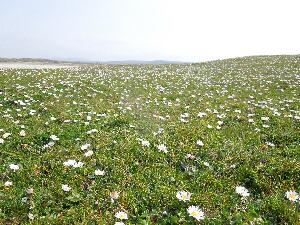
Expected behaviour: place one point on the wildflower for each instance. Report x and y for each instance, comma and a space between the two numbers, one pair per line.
119, 223
88, 153
99, 172
145, 143
200, 143
264, 118
22, 133
292, 196
30, 216
8, 184
6, 135
29, 191
196, 212
14, 167
121, 215
92, 131
78, 164
201, 114
70, 162
270, 144
85, 146
162, 148
190, 156
65, 187
183, 120
183, 196
232, 166
1, 141
242, 191
54, 138
206, 164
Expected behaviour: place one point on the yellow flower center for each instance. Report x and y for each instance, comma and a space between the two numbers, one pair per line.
194, 214
292, 197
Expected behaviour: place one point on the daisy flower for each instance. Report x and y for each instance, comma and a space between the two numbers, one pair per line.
85, 147
8, 184
70, 162
54, 138
292, 196
183, 196
119, 223
242, 191
121, 215
88, 153
6, 135
14, 167
30, 216
196, 212
65, 187
78, 164
162, 148
99, 172
145, 143
200, 143
22, 133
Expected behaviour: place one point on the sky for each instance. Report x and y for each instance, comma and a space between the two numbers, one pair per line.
181, 30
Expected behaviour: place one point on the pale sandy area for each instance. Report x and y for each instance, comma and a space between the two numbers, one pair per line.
29, 65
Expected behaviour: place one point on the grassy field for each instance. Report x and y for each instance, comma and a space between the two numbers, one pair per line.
143, 144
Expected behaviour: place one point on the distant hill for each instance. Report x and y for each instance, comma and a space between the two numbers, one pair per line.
121, 62
139, 62
29, 60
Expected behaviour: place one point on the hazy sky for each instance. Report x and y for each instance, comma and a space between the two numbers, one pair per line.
187, 30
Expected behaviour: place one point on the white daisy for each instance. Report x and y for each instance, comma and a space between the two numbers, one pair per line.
6, 135
70, 162
121, 215
200, 143
65, 187
145, 143
54, 138
22, 133
162, 148
119, 223
8, 184
242, 191
14, 167
196, 212
88, 153
85, 147
183, 196
99, 172
292, 196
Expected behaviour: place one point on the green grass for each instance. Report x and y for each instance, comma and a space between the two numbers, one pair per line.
126, 105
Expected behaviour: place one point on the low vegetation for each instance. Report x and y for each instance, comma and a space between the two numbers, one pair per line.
208, 143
